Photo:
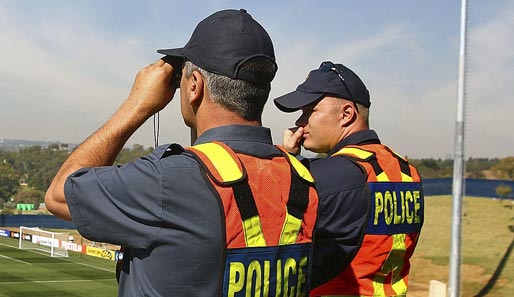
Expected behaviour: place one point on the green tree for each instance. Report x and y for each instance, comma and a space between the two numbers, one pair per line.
503, 191
128, 155
475, 167
30, 196
9, 181
37, 166
432, 168
505, 168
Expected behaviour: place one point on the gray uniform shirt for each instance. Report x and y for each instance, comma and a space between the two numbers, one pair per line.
161, 208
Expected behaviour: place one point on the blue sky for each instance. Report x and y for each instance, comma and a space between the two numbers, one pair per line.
65, 66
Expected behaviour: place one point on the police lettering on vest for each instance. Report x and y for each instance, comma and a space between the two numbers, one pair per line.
396, 208
269, 271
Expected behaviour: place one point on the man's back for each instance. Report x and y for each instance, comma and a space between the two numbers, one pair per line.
177, 243
381, 264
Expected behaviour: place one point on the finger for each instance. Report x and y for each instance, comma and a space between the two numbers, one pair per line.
298, 131
292, 129
159, 62
168, 67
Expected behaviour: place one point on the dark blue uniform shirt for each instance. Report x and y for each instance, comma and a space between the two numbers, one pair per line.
343, 209
161, 208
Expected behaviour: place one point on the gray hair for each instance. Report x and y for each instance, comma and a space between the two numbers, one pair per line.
241, 97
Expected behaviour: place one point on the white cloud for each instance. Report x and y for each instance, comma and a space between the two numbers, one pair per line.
63, 74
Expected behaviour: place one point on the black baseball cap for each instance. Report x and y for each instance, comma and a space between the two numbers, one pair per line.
329, 79
223, 41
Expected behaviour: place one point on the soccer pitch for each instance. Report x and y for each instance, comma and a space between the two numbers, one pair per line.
29, 273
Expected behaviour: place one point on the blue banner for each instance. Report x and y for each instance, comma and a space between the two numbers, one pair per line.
5, 233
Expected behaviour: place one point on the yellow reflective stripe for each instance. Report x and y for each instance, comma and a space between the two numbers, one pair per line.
253, 232
382, 177
399, 285
290, 230
406, 178
378, 285
393, 264
224, 163
361, 154
302, 171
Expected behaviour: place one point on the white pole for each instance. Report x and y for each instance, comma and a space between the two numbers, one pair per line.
458, 165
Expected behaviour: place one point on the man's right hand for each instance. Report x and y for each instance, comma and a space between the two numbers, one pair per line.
151, 90
292, 141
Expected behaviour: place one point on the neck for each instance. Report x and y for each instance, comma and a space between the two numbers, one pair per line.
355, 127
214, 116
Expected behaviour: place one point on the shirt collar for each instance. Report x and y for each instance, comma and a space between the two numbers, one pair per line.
231, 133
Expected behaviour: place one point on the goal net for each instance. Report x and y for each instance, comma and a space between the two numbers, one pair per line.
41, 240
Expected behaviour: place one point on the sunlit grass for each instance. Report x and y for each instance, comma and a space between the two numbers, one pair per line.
486, 237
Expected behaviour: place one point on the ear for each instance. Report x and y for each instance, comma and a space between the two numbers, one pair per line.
196, 88
348, 113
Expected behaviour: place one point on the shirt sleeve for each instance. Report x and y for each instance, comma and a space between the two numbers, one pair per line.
343, 208
117, 204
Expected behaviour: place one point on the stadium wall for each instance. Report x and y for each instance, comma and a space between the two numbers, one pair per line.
113, 255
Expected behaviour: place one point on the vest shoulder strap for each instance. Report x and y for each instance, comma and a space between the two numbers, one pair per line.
219, 161
226, 169
361, 155
355, 153
298, 168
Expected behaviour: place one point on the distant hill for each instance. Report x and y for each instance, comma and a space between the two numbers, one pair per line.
17, 144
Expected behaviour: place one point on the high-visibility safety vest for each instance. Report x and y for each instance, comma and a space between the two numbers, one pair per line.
270, 208
381, 265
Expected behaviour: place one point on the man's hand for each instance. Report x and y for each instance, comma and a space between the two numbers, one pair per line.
150, 93
293, 138
151, 90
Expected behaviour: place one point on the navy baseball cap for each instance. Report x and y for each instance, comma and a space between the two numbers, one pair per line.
329, 79
224, 41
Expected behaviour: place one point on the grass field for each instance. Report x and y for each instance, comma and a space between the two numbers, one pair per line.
487, 263
486, 247
26, 273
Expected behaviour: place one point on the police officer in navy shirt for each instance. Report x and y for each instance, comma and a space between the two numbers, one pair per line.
371, 204
180, 213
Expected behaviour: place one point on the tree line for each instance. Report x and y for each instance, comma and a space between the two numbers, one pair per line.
26, 174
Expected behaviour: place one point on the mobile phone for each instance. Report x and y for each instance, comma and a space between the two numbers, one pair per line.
177, 63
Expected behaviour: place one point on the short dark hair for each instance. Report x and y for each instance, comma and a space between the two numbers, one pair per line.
244, 98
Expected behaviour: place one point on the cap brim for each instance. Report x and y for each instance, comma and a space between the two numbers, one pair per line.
295, 100
175, 52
